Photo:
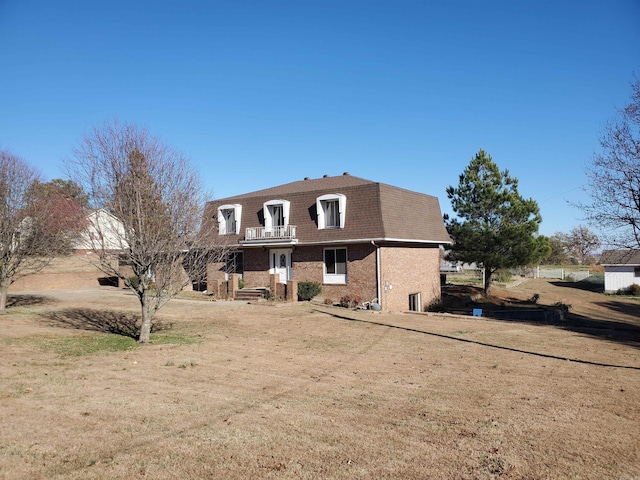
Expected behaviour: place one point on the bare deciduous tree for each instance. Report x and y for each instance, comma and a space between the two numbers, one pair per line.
614, 178
581, 243
33, 229
153, 201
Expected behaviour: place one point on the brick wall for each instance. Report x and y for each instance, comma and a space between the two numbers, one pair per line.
408, 271
73, 271
54, 281
215, 277
308, 266
256, 267
256, 270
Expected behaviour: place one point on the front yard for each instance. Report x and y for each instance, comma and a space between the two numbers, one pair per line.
231, 390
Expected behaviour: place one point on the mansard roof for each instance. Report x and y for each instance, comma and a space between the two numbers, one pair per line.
374, 211
307, 185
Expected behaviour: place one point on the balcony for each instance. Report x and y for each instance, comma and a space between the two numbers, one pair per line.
280, 235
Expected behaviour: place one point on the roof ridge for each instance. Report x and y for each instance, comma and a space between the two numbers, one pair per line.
307, 184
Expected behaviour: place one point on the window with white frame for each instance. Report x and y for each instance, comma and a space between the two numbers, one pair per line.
229, 217
331, 210
335, 265
414, 302
331, 214
276, 214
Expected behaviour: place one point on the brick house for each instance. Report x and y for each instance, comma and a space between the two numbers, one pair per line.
354, 236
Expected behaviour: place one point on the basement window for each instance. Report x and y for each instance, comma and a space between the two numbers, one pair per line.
414, 302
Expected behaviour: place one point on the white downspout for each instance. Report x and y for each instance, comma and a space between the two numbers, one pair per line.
378, 294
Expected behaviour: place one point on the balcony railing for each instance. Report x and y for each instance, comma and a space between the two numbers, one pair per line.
270, 234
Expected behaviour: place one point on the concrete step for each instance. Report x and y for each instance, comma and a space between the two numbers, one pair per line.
248, 294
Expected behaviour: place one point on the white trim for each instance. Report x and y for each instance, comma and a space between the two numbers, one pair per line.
369, 240
342, 209
339, 242
288, 269
417, 297
267, 243
286, 208
237, 217
335, 278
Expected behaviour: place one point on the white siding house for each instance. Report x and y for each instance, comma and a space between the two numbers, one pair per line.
621, 269
102, 232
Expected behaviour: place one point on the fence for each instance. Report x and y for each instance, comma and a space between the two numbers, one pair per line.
559, 273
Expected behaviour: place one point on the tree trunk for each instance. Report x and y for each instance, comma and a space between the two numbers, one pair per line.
4, 289
145, 328
487, 281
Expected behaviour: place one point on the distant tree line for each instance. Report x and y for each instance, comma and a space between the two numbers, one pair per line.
574, 248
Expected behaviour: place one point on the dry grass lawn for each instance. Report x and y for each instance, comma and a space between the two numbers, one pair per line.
239, 391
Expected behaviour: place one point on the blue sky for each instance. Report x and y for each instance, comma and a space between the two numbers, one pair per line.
260, 93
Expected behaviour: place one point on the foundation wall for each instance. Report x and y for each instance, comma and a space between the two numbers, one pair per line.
407, 271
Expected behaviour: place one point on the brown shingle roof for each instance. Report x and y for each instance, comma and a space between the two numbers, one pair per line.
620, 257
307, 185
374, 211
420, 216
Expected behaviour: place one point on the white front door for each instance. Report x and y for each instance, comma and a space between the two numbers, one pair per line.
280, 263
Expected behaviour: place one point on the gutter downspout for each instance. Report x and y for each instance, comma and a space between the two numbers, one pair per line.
377, 272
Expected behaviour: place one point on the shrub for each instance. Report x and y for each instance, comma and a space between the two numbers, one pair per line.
240, 283
634, 290
350, 301
328, 301
132, 282
308, 290
502, 276
437, 305
445, 303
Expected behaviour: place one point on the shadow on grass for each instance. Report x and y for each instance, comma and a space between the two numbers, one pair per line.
620, 332
605, 329
119, 323
475, 342
499, 308
616, 331
28, 300
590, 286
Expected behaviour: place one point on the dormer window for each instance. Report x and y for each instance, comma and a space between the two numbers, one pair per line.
331, 210
229, 217
276, 214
